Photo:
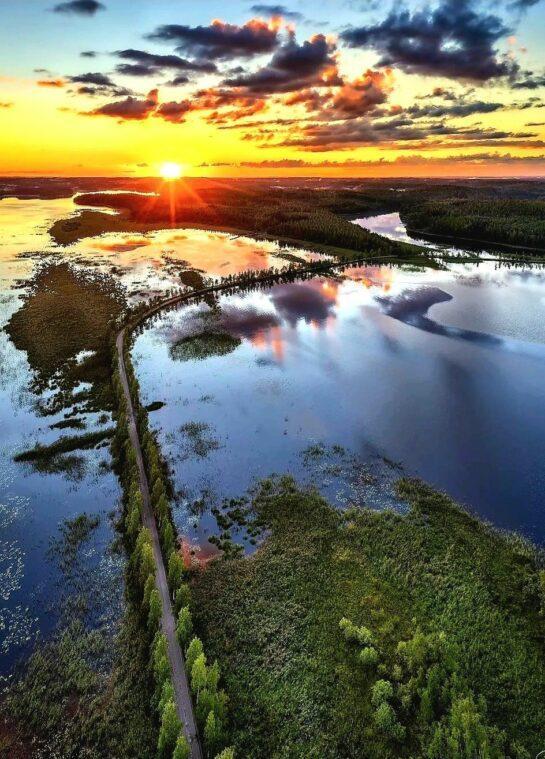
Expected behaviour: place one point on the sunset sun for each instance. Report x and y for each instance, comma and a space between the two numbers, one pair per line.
170, 170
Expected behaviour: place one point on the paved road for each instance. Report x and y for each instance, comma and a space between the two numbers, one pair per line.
184, 704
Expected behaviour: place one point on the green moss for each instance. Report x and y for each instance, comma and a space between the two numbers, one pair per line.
298, 688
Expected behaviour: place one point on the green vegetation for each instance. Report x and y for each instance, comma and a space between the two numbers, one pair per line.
308, 217
511, 222
65, 445
204, 345
374, 634
67, 312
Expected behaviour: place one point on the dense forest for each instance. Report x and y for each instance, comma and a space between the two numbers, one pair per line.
511, 222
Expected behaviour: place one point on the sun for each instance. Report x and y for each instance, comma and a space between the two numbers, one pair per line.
170, 170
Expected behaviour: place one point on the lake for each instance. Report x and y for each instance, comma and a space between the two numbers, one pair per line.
345, 382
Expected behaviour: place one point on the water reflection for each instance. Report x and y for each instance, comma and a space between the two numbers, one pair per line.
357, 361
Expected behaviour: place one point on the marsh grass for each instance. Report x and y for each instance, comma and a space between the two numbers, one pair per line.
299, 689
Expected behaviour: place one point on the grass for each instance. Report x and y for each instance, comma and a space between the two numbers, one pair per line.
298, 688
204, 345
65, 444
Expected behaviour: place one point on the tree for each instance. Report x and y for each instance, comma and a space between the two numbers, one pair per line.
148, 587
155, 609
213, 676
175, 570
352, 632
212, 733
147, 563
198, 674
194, 650
182, 750
167, 694
184, 626
167, 537
386, 720
168, 732
182, 596
369, 656
227, 753
381, 692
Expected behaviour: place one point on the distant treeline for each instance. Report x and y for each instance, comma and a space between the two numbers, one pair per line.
311, 216
512, 222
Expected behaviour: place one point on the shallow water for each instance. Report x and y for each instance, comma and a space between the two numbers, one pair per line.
438, 371
33, 505
446, 381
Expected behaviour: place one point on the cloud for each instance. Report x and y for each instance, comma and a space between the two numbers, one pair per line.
130, 109
362, 95
79, 7
173, 111
178, 80
55, 83
101, 80
88, 54
276, 11
220, 40
6, 104
452, 40
531, 81
459, 109
293, 67
145, 64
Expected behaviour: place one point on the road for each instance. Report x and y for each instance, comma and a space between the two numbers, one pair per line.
184, 704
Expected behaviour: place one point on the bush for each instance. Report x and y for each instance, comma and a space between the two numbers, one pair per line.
386, 721
369, 656
381, 692
352, 632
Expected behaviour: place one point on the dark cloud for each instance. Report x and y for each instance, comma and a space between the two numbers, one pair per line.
178, 80
152, 63
460, 109
531, 81
88, 54
130, 109
79, 7
96, 78
452, 40
293, 67
276, 10
221, 41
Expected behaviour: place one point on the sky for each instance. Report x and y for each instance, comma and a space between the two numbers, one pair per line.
305, 88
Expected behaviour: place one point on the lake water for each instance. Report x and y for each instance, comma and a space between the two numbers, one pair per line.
339, 381
439, 371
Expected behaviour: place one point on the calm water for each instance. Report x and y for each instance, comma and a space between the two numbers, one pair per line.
438, 371
33, 505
